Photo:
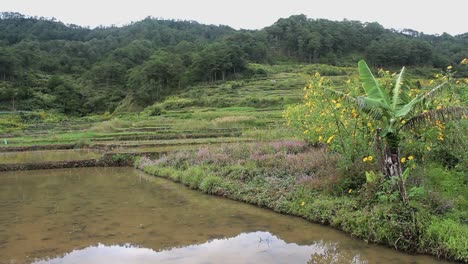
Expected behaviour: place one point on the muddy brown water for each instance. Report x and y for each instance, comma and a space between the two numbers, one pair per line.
121, 215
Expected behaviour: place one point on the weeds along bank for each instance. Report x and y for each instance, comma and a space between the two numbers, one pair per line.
295, 178
389, 167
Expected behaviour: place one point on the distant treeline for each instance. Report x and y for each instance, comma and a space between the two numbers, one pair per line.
45, 64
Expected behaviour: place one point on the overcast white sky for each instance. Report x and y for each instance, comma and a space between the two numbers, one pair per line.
430, 16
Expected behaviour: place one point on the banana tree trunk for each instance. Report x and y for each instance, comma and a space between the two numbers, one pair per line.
389, 162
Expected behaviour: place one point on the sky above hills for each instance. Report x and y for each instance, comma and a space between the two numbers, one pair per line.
428, 16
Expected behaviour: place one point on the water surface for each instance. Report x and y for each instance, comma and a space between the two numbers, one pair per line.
120, 215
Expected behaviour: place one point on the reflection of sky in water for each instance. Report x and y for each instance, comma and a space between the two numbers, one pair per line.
255, 247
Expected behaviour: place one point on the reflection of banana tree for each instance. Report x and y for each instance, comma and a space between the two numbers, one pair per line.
392, 109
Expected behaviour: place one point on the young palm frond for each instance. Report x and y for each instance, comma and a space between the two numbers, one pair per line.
443, 114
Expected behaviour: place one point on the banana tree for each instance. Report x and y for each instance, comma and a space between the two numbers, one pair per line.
391, 108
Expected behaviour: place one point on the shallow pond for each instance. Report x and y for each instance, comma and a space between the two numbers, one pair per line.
120, 215
48, 155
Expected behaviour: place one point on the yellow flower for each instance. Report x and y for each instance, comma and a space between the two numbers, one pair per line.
439, 107
302, 204
330, 139
320, 138
348, 81
449, 67
350, 191
464, 61
364, 159
369, 124
338, 105
440, 137
428, 148
403, 122
306, 131
410, 157
403, 160
431, 82
370, 158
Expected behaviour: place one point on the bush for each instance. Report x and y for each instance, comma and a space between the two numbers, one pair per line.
154, 110
210, 184
193, 177
174, 103
123, 158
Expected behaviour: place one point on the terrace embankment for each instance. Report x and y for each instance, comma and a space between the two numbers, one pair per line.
106, 160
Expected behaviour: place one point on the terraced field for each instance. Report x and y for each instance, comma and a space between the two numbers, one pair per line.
214, 113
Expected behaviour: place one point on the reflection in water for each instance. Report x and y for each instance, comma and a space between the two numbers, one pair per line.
45, 214
255, 247
332, 253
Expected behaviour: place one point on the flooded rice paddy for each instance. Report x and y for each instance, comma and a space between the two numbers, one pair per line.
120, 215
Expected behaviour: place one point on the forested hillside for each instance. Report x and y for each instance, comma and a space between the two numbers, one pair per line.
45, 64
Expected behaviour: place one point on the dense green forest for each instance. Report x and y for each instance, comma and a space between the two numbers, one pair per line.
45, 64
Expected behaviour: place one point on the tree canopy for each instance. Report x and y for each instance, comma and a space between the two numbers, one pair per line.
153, 57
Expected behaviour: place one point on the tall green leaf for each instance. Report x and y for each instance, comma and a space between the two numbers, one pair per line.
397, 89
370, 84
408, 107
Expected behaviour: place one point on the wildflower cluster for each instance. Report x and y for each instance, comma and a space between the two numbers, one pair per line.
428, 140
329, 115
409, 158
331, 119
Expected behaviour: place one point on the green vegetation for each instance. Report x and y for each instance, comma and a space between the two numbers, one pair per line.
317, 151
46, 65
218, 111
338, 178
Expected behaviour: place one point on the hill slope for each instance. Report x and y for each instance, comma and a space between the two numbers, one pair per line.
45, 64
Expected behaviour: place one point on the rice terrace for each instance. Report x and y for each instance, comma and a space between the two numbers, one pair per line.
172, 141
